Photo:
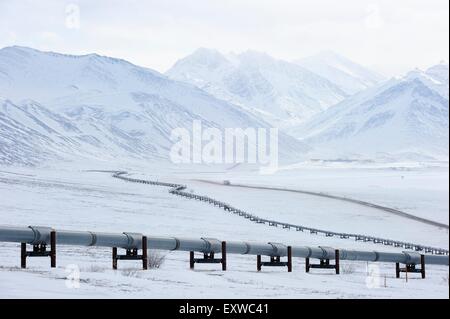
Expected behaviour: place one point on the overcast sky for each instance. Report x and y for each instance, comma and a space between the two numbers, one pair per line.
391, 36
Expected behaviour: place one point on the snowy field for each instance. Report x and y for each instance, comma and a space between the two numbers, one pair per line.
69, 198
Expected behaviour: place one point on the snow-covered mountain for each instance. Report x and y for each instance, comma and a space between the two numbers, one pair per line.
349, 76
282, 93
400, 119
436, 77
60, 106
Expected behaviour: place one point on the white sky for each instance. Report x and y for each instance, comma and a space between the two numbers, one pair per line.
391, 36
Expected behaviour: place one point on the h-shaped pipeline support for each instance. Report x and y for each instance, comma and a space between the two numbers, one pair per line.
208, 256
325, 263
275, 261
411, 268
42, 237
134, 242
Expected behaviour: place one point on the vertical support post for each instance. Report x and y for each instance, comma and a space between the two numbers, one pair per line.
191, 260
258, 262
289, 258
337, 261
224, 256
144, 253
397, 270
307, 264
422, 266
114, 258
53, 249
23, 255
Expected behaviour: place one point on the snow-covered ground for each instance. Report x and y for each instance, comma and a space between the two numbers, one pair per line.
72, 198
393, 185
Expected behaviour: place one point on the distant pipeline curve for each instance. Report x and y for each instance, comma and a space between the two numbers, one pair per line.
178, 189
346, 199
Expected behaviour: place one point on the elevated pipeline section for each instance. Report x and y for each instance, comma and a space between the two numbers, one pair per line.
179, 190
38, 235
341, 198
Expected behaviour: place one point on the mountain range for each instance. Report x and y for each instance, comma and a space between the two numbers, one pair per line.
64, 106
404, 118
281, 92
349, 76
69, 107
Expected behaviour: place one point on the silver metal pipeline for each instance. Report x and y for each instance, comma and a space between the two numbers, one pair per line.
37, 234
178, 189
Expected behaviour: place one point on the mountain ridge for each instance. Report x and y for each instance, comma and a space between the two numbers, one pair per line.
278, 91
344, 73
116, 108
402, 118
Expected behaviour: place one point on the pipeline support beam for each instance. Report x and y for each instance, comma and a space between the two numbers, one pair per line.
132, 253
275, 261
42, 239
325, 263
209, 256
39, 250
411, 268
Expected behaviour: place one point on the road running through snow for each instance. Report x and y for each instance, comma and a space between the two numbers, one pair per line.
351, 200
178, 189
